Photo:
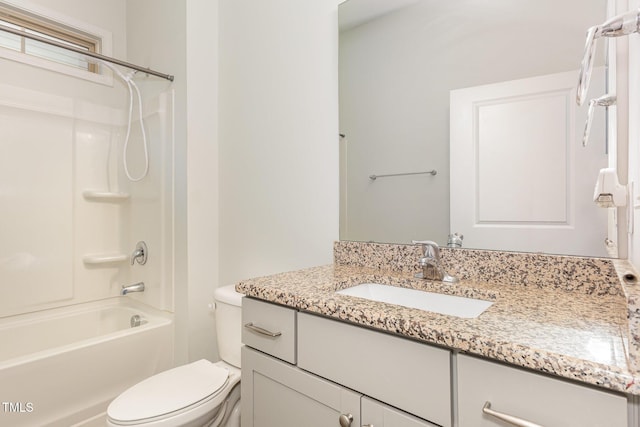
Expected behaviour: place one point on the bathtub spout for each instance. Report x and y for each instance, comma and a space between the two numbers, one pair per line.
136, 287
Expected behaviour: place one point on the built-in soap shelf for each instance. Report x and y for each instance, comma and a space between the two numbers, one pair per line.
104, 258
105, 196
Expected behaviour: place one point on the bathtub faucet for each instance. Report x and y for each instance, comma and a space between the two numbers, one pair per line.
136, 287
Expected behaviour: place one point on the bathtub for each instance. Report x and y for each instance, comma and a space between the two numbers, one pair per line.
62, 367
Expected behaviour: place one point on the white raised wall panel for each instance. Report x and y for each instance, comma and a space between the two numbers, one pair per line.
520, 162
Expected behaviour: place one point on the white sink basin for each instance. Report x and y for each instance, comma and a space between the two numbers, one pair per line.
429, 301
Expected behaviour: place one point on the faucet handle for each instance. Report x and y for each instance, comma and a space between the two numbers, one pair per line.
429, 247
140, 254
424, 242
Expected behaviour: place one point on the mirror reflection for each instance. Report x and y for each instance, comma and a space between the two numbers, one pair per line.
464, 112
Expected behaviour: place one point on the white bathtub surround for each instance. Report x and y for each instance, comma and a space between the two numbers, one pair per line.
75, 218
69, 363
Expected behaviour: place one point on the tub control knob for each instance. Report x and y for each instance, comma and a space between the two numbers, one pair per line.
140, 254
345, 420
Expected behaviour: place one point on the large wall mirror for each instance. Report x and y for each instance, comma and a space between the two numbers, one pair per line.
465, 113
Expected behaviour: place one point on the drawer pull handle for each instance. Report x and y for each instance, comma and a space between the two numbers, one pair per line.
262, 331
508, 418
345, 420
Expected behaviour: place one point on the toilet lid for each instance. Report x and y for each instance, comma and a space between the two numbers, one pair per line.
168, 391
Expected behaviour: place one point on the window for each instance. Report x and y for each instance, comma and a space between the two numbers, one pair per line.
12, 17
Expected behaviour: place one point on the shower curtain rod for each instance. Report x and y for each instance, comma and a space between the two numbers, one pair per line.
86, 53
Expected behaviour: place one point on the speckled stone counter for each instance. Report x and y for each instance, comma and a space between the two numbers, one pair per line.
566, 316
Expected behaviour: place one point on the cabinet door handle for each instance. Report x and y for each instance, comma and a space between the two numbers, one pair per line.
345, 420
261, 331
367, 425
519, 422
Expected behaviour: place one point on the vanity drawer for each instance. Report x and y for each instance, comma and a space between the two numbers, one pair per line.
411, 376
269, 328
532, 397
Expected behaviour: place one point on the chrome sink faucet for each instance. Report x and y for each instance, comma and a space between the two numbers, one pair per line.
430, 263
136, 287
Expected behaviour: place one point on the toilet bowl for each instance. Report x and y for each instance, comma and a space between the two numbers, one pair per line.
198, 394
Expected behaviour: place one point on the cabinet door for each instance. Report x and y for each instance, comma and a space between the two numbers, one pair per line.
533, 397
376, 414
276, 394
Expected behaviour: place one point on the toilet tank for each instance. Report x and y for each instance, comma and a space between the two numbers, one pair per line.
228, 323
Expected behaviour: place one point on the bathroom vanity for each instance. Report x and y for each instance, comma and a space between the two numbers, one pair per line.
549, 357
332, 369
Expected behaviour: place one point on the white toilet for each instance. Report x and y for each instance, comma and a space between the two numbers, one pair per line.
199, 394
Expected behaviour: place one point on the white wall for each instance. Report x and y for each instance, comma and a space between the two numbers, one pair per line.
202, 174
278, 136
396, 73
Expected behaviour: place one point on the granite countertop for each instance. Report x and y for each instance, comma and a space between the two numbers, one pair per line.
572, 334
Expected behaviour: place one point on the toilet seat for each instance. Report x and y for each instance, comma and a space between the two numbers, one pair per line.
203, 388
